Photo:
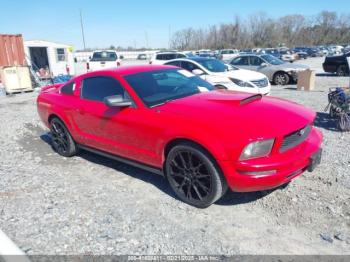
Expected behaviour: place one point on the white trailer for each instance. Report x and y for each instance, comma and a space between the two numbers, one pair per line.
55, 58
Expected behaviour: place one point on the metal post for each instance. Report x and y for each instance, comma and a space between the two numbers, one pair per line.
82, 29
348, 59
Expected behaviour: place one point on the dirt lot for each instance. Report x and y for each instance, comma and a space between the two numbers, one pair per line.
91, 205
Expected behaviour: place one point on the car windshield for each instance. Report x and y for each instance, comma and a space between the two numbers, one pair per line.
213, 65
161, 86
272, 60
104, 56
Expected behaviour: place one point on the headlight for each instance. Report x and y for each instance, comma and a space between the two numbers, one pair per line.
241, 83
257, 149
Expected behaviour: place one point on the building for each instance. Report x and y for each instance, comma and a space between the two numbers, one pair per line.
53, 58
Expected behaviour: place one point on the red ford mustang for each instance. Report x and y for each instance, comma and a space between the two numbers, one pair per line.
171, 122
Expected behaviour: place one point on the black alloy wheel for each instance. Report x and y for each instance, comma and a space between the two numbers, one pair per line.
62, 141
194, 176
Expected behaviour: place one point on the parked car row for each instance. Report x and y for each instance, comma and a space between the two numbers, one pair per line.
224, 76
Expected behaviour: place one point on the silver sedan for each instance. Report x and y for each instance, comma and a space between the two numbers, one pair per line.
278, 71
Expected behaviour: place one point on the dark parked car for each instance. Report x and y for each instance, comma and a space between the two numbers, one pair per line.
272, 51
337, 64
142, 57
301, 52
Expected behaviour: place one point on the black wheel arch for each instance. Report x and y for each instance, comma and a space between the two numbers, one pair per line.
280, 72
178, 141
52, 116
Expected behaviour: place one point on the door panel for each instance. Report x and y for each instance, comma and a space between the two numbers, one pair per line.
129, 132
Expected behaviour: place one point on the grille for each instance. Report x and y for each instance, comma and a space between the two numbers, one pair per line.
261, 82
295, 138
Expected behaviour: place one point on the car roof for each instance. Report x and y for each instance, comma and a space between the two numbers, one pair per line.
198, 58
130, 70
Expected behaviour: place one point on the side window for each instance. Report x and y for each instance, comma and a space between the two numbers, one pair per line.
180, 56
188, 66
174, 63
97, 88
160, 57
68, 89
255, 61
60, 55
242, 60
169, 56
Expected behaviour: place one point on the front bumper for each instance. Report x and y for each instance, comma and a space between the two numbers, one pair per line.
287, 166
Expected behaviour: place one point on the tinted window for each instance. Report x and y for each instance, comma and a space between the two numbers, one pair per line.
272, 60
174, 63
213, 65
161, 86
104, 56
189, 66
68, 88
97, 88
166, 56
242, 60
180, 56
255, 61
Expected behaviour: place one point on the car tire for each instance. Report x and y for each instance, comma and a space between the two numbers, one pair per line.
281, 78
194, 175
61, 140
341, 70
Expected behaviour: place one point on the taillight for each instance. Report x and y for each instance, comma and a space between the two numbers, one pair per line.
87, 66
67, 69
118, 63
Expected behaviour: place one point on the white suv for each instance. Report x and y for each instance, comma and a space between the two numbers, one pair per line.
162, 57
224, 76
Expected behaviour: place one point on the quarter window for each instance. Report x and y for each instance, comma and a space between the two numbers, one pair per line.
97, 88
68, 89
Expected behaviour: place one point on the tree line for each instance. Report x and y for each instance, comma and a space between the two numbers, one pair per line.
260, 30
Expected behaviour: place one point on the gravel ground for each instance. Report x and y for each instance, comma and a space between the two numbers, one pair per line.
91, 205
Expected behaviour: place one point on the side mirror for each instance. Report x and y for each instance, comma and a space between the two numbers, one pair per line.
90, 57
197, 72
121, 57
117, 101
263, 64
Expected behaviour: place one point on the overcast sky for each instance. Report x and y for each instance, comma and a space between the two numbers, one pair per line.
136, 22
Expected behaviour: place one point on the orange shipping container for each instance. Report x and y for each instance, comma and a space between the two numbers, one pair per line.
12, 50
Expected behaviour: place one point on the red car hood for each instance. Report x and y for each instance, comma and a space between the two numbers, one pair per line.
230, 112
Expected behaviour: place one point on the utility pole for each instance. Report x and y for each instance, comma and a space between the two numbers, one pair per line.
169, 37
82, 29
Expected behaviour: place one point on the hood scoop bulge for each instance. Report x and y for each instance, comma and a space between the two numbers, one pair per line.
226, 96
